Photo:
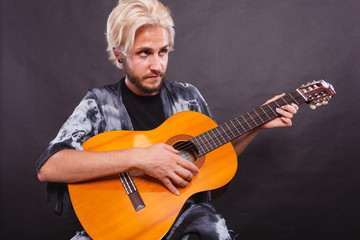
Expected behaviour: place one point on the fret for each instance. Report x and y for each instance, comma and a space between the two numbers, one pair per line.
246, 122
282, 98
240, 125
211, 139
239, 133
272, 109
222, 136
195, 141
277, 104
201, 150
229, 131
256, 117
205, 140
252, 119
294, 99
300, 98
303, 99
265, 112
259, 116
200, 137
215, 137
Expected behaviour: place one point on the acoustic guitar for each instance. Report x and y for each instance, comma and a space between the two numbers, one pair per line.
136, 206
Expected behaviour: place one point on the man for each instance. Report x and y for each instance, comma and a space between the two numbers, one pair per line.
140, 36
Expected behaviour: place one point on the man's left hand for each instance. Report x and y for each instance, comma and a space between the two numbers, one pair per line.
287, 112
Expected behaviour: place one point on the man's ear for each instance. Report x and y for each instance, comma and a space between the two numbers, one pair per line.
117, 54
120, 58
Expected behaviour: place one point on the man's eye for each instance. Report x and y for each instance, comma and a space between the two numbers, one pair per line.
144, 53
163, 52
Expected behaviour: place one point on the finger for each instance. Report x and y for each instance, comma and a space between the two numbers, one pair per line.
287, 121
284, 113
169, 185
290, 108
274, 98
179, 181
170, 149
185, 174
296, 107
187, 165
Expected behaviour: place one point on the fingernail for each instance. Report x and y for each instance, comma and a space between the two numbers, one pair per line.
177, 193
277, 109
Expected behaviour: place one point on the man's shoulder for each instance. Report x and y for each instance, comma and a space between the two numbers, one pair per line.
178, 84
112, 89
180, 87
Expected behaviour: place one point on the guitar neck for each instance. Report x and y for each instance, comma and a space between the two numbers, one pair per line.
224, 133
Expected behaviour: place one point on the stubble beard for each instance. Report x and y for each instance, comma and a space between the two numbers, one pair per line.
138, 81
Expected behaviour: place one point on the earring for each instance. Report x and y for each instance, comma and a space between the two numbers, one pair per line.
120, 60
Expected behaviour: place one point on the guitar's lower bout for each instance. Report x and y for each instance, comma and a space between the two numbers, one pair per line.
103, 207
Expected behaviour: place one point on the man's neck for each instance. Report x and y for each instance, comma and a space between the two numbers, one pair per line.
138, 91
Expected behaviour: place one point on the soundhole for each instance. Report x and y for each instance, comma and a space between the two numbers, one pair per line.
187, 150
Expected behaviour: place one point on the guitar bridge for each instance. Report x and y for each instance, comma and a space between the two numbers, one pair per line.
131, 191
136, 201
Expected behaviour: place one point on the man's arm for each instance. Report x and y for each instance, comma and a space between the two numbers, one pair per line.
287, 112
159, 161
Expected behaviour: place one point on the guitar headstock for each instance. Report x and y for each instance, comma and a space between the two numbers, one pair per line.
317, 93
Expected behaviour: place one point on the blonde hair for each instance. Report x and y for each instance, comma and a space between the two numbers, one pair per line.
129, 16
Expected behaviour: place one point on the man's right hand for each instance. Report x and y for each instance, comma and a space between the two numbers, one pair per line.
162, 162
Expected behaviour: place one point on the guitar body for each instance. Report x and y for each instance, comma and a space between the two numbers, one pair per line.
103, 206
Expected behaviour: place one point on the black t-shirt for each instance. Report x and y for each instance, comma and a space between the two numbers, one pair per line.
146, 112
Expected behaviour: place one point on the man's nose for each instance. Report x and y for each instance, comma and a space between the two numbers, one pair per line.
155, 64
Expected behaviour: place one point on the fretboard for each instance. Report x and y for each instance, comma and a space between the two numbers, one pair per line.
224, 133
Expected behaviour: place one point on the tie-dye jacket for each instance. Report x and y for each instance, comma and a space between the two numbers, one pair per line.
102, 110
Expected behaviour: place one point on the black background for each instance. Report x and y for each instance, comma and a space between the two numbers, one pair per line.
293, 183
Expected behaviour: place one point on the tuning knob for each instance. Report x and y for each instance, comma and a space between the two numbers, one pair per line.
313, 106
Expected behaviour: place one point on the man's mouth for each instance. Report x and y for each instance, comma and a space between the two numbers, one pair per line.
154, 76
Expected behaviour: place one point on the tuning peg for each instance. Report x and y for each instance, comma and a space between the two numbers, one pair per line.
319, 103
312, 105
325, 102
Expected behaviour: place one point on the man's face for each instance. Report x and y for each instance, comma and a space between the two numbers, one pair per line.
146, 63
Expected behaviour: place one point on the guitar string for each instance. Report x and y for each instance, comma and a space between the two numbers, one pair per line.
226, 133
262, 115
187, 145
257, 120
